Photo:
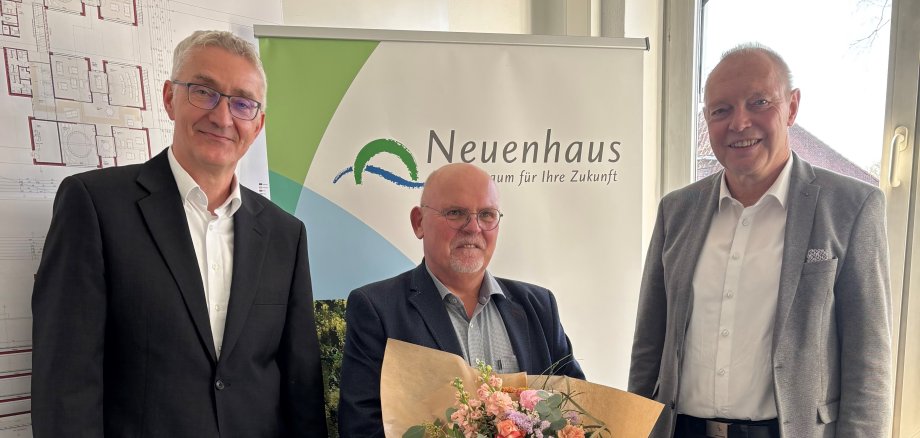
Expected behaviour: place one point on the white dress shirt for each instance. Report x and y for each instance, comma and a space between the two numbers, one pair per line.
212, 237
727, 369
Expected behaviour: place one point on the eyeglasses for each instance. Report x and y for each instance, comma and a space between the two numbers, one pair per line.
207, 98
458, 218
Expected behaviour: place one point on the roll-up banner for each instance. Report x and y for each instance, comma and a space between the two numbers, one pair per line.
357, 119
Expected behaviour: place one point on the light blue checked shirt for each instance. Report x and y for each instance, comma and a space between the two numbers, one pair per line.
483, 336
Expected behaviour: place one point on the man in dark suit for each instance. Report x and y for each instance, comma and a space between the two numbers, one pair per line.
765, 309
171, 301
450, 302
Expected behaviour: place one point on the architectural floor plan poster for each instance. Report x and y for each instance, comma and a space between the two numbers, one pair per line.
80, 89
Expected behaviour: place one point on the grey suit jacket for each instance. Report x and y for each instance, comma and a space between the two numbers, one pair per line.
832, 335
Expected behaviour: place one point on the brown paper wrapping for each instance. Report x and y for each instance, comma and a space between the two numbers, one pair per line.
415, 387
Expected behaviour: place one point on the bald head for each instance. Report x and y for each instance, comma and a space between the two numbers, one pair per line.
756, 50
452, 176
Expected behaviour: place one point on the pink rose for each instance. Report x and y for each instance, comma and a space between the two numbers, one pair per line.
570, 431
507, 429
530, 398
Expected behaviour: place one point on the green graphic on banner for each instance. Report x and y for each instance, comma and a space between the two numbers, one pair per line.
389, 146
303, 94
285, 191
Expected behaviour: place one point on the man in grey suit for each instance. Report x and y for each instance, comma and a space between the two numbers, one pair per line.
765, 305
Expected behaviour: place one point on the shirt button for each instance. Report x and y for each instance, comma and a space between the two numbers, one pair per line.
721, 371
219, 384
215, 266
729, 293
735, 256
211, 227
746, 222
725, 333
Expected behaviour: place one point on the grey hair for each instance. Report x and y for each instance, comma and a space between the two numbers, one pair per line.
754, 47
224, 40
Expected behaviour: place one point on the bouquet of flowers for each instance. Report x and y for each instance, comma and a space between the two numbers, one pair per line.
417, 385
507, 412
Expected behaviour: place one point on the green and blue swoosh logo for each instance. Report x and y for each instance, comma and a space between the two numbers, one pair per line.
379, 146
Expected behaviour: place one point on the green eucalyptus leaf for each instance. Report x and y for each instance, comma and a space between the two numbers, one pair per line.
556, 400
558, 425
415, 432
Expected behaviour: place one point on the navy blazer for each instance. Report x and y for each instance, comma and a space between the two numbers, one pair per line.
408, 307
122, 340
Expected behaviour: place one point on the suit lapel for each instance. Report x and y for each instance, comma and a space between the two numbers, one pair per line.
693, 235
800, 216
165, 217
424, 297
517, 325
250, 241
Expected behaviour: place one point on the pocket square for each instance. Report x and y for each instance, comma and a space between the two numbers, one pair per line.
817, 255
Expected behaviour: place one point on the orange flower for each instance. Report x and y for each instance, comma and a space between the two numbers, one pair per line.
571, 432
507, 429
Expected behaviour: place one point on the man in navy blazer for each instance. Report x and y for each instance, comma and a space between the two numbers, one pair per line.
171, 301
450, 302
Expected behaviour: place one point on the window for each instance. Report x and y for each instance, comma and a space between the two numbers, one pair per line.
837, 51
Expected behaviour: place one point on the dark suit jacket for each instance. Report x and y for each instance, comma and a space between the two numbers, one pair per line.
122, 340
832, 332
408, 307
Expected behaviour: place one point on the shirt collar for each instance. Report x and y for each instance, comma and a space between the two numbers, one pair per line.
191, 191
489, 287
779, 190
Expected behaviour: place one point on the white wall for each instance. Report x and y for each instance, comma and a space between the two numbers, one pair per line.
489, 16
644, 19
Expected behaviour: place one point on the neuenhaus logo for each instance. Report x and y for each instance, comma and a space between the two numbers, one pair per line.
544, 159
383, 145
545, 150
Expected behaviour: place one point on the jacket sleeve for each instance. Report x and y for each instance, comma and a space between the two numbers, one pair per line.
562, 347
648, 341
303, 403
863, 312
365, 341
69, 318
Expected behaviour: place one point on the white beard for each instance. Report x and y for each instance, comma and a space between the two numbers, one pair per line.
466, 265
